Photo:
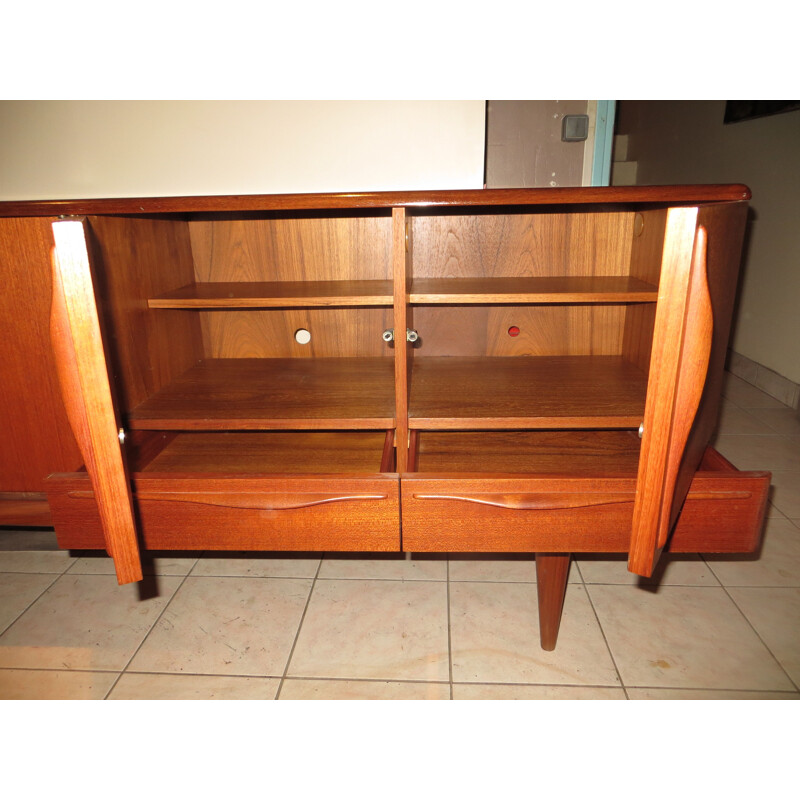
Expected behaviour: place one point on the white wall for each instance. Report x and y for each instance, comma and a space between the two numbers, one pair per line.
79, 149
686, 142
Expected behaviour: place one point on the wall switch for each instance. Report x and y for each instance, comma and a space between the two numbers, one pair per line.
575, 128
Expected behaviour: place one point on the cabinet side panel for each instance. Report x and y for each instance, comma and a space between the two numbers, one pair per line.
138, 259
36, 436
725, 226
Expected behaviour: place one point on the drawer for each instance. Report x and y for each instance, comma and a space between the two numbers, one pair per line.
589, 511
212, 510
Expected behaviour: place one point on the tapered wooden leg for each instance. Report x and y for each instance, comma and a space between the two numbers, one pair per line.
551, 584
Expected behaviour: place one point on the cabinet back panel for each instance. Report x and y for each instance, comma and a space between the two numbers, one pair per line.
546, 330
335, 332
135, 259
296, 249
516, 245
647, 249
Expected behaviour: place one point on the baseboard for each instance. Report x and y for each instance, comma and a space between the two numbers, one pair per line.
769, 381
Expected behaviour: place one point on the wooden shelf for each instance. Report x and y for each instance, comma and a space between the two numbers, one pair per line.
274, 393
276, 294
579, 453
526, 392
615, 289
259, 453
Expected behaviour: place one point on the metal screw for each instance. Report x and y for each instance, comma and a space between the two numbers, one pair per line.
411, 336
641, 430
388, 335
121, 436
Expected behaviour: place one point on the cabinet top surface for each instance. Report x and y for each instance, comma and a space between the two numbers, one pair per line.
622, 195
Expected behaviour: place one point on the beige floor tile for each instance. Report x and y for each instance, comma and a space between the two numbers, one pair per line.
671, 570
737, 421
684, 637
785, 493
775, 614
391, 630
309, 689
390, 566
746, 395
517, 568
143, 686
495, 638
761, 452
777, 563
781, 420
40, 684
28, 539
707, 694
50, 561
226, 626
17, 591
101, 564
83, 622
257, 565
488, 691
500, 567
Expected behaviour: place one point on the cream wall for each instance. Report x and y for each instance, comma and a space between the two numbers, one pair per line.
78, 149
686, 142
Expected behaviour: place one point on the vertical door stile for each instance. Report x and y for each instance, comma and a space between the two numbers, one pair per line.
678, 367
83, 375
401, 324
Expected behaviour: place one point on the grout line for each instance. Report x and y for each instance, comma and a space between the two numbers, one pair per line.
35, 599
753, 628
299, 628
147, 635
605, 639
449, 633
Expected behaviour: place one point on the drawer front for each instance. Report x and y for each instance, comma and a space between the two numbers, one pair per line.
494, 515
724, 513
316, 513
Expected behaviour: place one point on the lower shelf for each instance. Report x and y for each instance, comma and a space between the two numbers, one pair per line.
451, 393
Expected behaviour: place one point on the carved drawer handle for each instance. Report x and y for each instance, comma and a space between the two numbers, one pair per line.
552, 502
528, 502
245, 500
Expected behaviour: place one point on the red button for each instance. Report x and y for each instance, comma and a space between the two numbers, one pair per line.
513, 331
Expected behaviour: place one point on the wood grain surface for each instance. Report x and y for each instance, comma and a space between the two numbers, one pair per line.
523, 392
36, 438
83, 372
242, 393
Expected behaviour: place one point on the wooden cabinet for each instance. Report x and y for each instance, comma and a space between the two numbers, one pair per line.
487, 371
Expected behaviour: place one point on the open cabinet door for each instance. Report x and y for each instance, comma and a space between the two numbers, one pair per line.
679, 364
82, 371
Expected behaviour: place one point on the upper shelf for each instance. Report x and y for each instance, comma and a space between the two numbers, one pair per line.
614, 289
277, 294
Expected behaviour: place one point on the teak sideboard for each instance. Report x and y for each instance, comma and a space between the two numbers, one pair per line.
467, 371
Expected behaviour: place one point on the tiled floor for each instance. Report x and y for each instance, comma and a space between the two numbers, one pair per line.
228, 626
